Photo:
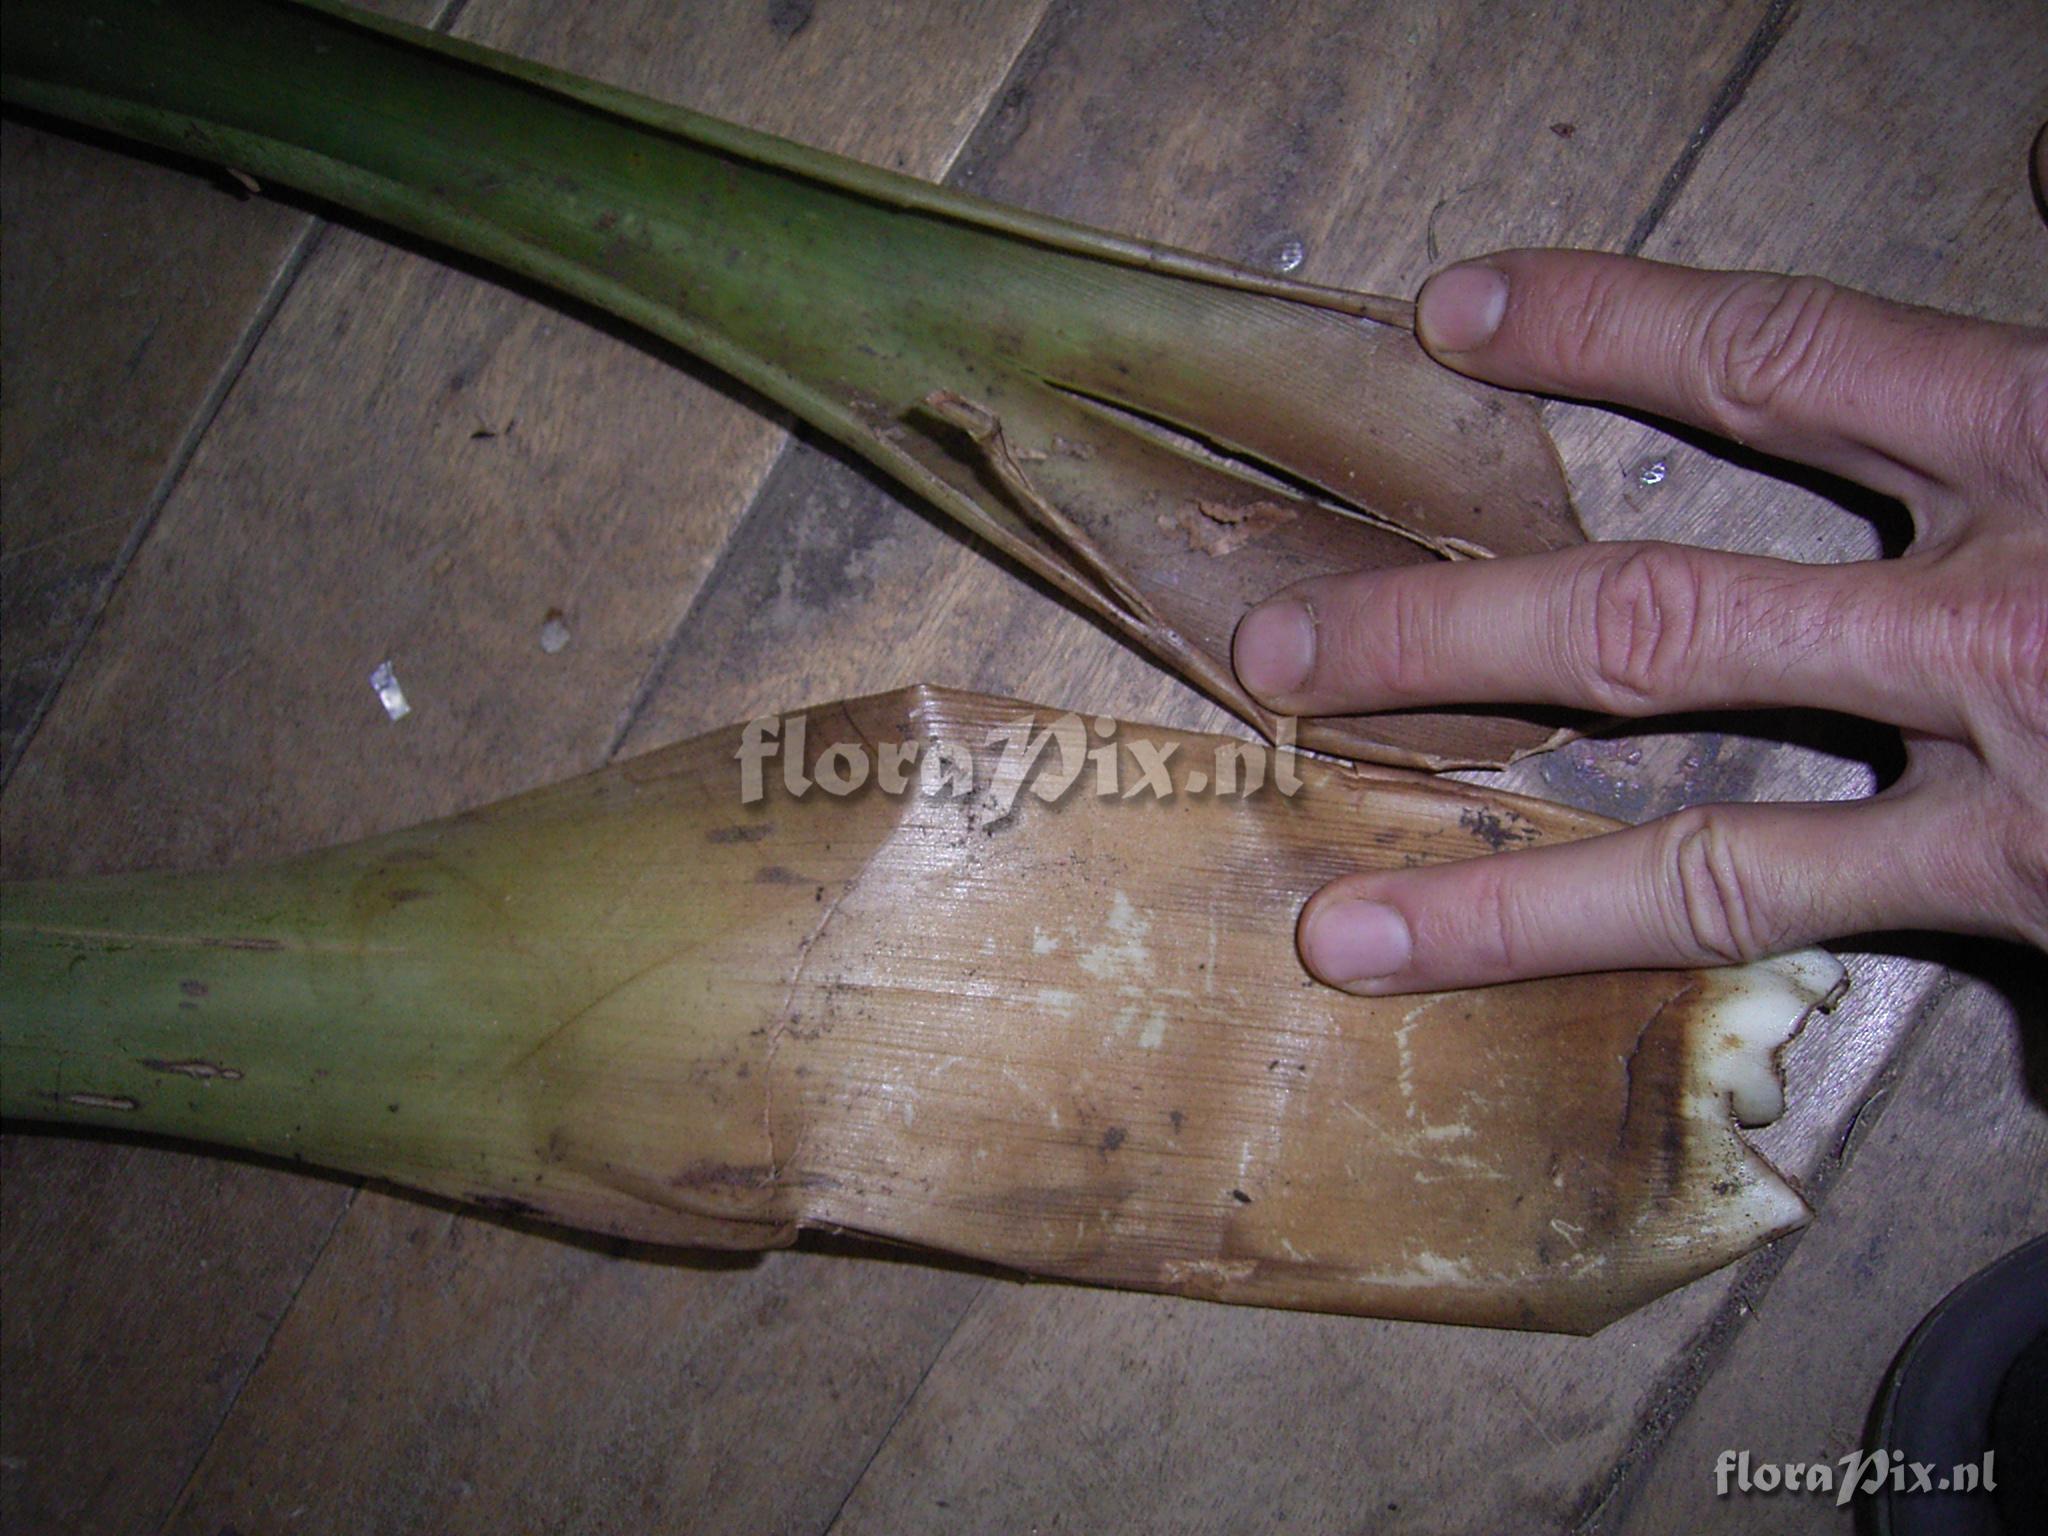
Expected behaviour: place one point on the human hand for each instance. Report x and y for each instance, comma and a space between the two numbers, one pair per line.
1949, 642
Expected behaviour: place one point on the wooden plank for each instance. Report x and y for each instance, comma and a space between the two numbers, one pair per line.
416, 466
1950, 1173
149, 331
1066, 1408
142, 1283
465, 464
922, 605
111, 364
1847, 159
1338, 128
1408, 1417
130, 290
445, 1373
846, 595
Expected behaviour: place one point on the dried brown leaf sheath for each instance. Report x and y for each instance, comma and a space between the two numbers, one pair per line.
1074, 1039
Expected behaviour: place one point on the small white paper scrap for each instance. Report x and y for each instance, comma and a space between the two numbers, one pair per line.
389, 694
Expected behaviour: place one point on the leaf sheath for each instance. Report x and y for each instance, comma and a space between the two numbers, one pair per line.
1068, 1036
1138, 389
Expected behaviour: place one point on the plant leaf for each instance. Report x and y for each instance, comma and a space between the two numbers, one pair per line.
1133, 384
1065, 1032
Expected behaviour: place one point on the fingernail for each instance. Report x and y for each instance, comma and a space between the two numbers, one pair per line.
1349, 941
1459, 310
1275, 649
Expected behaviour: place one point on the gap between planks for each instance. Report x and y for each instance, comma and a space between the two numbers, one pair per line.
1610, 1503
234, 1398
302, 247
986, 142
282, 281
975, 146
983, 142
1734, 86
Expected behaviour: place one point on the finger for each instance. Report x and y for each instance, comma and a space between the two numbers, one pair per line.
1891, 396
1625, 629
1709, 886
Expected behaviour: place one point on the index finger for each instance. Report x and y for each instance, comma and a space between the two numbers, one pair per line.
1892, 396
1623, 629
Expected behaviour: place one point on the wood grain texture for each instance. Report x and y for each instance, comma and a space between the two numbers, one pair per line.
1952, 1174
134, 288
344, 510
464, 464
1244, 131
111, 364
1180, 1416
142, 1284
957, 1445
131, 292
418, 466
1106, 92
1845, 157
1920, 205
446, 1373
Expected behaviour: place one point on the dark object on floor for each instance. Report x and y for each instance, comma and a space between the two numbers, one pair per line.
1967, 1401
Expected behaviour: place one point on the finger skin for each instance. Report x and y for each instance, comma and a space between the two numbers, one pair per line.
1900, 399
1949, 642
1713, 885
1624, 629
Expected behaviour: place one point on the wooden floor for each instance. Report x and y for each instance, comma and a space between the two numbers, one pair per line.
250, 454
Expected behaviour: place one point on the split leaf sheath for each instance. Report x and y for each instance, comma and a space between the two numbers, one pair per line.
1165, 438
